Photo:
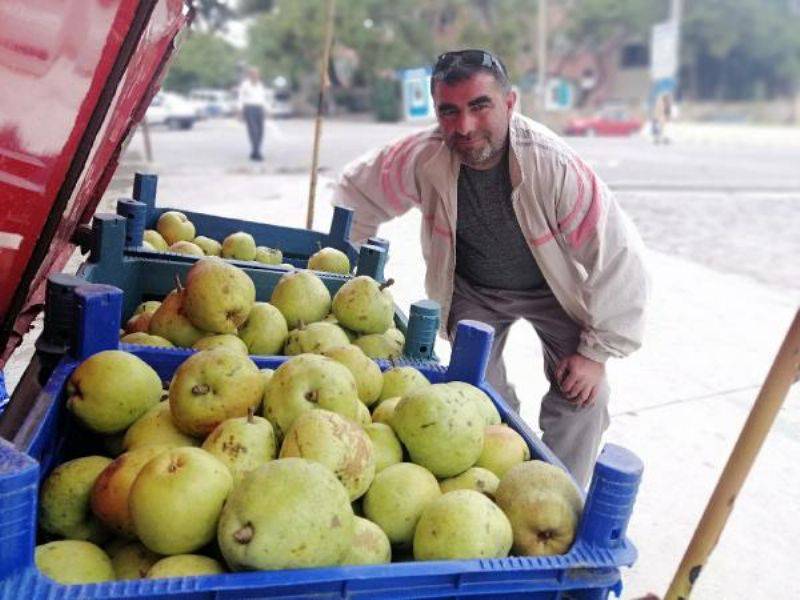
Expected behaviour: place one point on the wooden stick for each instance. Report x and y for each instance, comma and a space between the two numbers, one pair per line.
323, 84
784, 371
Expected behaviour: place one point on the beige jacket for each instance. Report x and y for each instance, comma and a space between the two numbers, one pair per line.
586, 247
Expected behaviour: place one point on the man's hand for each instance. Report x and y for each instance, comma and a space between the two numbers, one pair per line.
579, 378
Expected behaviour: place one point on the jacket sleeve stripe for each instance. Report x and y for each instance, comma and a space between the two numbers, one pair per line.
587, 226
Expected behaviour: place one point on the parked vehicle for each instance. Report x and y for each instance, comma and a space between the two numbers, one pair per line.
279, 105
172, 110
609, 121
213, 102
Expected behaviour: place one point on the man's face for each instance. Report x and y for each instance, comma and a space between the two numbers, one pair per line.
473, 115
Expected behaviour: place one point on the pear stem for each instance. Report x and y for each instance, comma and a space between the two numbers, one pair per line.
178, 284
386, 284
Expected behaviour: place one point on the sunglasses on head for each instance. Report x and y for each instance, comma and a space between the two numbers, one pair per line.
476, 58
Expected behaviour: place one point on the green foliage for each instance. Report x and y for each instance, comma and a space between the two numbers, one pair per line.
204, 60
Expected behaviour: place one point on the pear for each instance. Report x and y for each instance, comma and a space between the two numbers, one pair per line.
543, 506
186, 247
156, 428
146, 339
306, 382
218, 296
315, 338
148, 306
111, 389
290, 513
221, 340
331, 318
482, 401
212, 386
152, 237
363, 417
210, 247
265, 330
379, 346
64, 507
398, 381
133, 561
171, 323
335, 442
330, 260
396, 499
185, 565
368, 376
385, 444
268, 256
177, 498
138, 323
301, 296
384, 412
502, 449
441, 433
174, 227
242, 444
477, 479
370, 545
73, 562
463, 524
239, 246
109, 496
364, 305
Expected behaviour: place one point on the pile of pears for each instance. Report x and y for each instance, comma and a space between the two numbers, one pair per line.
325, 460
217, 307
174, 232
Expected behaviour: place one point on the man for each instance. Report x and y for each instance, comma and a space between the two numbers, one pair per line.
515, 226
253, 101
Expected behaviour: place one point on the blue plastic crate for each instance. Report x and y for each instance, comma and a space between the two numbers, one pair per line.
590, 570
296, 244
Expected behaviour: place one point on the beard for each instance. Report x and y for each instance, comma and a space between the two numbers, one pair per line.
475, 157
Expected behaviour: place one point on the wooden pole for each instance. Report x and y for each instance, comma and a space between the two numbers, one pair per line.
148, 148
323, 84
784, 371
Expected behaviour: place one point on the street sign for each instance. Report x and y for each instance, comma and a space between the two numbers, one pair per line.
417, 101
664, 51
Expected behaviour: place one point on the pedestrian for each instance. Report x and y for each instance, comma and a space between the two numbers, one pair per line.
662, 113
515, 226
253, 100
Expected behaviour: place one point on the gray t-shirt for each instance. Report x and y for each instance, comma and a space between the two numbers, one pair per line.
491, 250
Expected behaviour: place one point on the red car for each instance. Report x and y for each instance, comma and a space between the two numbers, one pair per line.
614, 121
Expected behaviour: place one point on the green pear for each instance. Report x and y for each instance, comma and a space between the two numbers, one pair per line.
148, 306
330, 260
73, 562
171, 323
111, 389
301, 296
185, 565
315, 338
156, 428
397, 497
146, 339
218, 296
177, 498
368, 376
268, 256
384, 412
152, 237
133, 561
461, 525
242, 444
148, 246
289, 513
175, 227
209, 246
138, 323
331, 318
370, 545
363, 417
186, 247
543, 506
111, 489
212, 386
64, 506
221, 340
502, 449
441, 432
379, 345
364, 305
388, 450
481, 399
477, 479
335, 442
306, 382
239, 246
265, 330
398, 381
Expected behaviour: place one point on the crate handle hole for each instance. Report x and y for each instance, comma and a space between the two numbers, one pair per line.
615, 533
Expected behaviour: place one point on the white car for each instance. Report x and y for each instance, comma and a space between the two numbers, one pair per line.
172, 110
213, 103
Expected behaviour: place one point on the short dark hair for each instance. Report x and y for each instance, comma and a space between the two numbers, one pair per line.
459, 65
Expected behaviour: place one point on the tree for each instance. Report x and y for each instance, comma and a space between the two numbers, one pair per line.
204, 60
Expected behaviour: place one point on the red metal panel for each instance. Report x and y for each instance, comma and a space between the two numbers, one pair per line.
60, 60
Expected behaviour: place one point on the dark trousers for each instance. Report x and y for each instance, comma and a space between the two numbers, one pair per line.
254, 118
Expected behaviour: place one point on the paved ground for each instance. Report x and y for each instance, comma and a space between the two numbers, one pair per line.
720, 211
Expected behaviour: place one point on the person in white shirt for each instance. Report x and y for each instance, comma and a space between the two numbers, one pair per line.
252, 100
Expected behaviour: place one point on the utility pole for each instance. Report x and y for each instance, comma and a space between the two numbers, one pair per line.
675, 15
542, 53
